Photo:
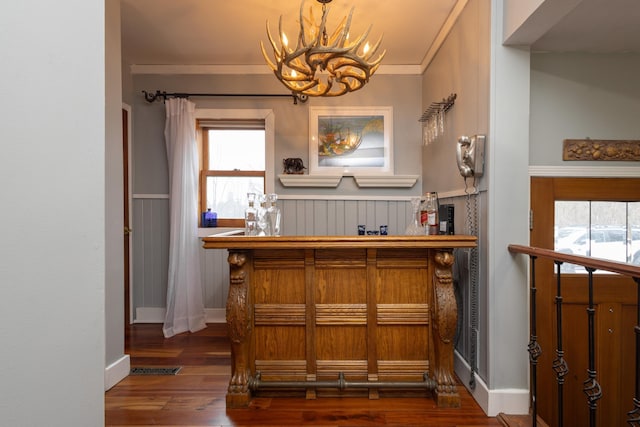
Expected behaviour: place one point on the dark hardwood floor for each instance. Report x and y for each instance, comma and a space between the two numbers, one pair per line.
196, 395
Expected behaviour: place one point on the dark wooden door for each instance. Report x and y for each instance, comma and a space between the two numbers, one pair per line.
615, 313
127, 227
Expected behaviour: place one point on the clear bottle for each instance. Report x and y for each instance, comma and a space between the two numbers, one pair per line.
273, 213
262, 218
250, 216
431, 208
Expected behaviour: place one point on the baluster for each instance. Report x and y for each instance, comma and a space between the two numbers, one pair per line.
559, 363
591, 386
534, 346
634, 415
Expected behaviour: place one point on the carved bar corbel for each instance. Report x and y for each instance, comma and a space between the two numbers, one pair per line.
239, 323
445, 319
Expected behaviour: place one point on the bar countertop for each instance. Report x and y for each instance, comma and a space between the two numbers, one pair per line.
320, 242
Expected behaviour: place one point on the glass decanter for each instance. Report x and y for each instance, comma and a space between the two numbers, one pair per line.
414, 228
262, 217
250, 216
273, 213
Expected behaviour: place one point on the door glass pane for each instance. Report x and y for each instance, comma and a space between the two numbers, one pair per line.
634, 226
607, 230
227, 196
571, 230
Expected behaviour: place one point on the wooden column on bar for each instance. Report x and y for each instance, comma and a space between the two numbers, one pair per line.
305, 311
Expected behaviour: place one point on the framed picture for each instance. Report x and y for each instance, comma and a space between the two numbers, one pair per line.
351, 140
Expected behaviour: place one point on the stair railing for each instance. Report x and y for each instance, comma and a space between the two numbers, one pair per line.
591, 386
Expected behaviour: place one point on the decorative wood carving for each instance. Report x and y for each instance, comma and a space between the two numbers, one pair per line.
321, 308
445, 319
239, 321
601, 149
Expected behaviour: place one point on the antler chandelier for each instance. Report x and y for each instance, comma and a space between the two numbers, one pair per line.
321, 64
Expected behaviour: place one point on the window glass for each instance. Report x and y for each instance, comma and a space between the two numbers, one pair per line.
607, 230
236, 149
228, 195
233, 165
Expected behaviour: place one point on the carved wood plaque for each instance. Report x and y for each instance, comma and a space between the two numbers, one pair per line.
601, 149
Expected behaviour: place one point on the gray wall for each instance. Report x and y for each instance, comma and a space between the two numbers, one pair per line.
306, 211
582, 96
462, 67
52, 269
402, 92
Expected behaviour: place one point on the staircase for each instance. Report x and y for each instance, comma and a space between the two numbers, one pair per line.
519, 420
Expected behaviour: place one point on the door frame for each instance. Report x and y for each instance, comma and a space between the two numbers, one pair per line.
128, 205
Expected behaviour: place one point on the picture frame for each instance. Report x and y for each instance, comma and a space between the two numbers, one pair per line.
351, 141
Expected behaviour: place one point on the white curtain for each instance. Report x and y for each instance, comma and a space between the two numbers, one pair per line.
185, 306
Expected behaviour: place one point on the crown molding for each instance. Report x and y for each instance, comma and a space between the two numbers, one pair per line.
167, 69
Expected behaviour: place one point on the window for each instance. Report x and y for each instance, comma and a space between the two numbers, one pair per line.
236, 158
601, 229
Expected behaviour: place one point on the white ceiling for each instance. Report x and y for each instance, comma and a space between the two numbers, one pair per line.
228, 32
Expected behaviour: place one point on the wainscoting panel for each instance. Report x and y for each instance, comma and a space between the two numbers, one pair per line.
150, 225
299, 217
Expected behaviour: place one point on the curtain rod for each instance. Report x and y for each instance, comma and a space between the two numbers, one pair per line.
151, 97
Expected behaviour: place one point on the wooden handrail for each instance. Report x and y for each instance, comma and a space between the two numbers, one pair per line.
595, 263
592, 390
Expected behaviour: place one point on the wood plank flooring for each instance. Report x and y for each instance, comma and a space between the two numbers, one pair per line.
196, 395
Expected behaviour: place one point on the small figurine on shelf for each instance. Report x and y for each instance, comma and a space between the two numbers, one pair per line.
293, 165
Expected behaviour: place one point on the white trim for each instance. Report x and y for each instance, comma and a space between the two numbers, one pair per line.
586, 171
442, 34
116, 372
386, 180
150, 314
461, 192
219, 231
249, 69
310, 180
215, 315
149, 196
493, 402
157, 314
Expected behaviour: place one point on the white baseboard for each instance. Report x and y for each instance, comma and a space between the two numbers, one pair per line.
509, 400
116, 372
156, 315
215, 315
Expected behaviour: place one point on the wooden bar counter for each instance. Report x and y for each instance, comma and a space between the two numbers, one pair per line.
341, 316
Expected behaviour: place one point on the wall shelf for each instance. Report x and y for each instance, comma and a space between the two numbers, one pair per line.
397, 181
310, 180
332, 181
